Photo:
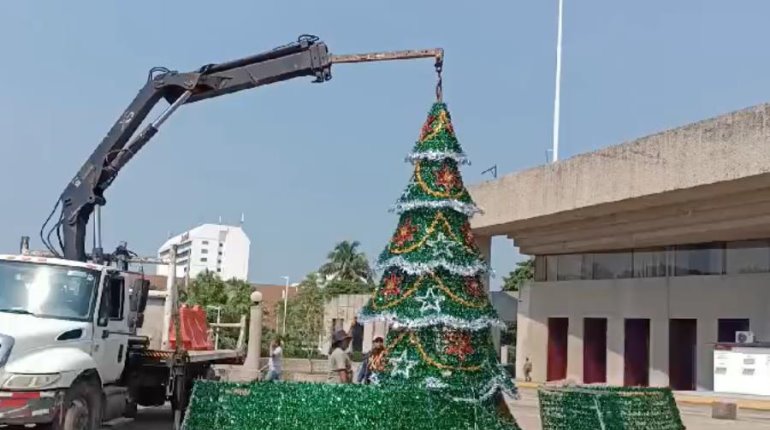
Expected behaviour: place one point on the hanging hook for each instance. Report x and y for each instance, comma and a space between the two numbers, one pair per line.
439, 83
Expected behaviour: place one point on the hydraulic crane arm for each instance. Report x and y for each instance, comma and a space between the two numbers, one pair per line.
306, 57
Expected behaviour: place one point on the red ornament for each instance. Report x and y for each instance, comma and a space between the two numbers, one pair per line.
448, 123
458, 344
473, 287
426, 128
405, 233
468, 234
446, 178
392, 285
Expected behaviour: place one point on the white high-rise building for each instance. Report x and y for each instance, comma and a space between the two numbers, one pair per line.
218, 248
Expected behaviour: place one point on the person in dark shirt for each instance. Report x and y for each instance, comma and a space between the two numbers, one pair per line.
373, 361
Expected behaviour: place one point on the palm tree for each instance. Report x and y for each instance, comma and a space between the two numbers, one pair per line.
346, 263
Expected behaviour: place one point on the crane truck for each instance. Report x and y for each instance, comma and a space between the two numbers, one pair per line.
71, 351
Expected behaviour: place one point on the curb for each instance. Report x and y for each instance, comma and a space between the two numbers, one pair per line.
754, 405
684, 399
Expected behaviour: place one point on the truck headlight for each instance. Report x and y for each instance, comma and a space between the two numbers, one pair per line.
30, 382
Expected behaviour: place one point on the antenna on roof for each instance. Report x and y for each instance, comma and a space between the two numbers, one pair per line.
243, 218
220, 219
492, 170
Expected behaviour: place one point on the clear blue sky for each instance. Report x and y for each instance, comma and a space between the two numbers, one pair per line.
311, 165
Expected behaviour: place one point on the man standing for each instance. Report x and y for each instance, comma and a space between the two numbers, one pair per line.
339, 362
374, 361
275, 363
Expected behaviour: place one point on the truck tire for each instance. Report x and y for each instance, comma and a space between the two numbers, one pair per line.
82, 407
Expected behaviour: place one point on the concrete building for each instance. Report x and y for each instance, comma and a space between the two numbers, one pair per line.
647, 253
217, 248
272, 302
340, 314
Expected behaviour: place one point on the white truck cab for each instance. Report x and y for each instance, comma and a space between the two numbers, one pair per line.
64, 340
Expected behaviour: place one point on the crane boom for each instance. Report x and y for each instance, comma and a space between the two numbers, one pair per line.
308, 56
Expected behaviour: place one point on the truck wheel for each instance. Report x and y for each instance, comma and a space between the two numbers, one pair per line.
82, 408
131, 409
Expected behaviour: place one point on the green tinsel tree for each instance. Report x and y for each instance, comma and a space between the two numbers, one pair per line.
432, 291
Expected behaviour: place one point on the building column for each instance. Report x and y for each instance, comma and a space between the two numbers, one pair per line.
659, 352
575, 350
484, 244
704, 353
615, 351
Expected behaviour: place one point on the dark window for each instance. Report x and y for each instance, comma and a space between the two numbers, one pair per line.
727, 327
205, 242
204, 251
551, 268
612, 265
116, 298
750, 256
204, 259
700, 259
572, 267
219, 270
649, 263
540, 268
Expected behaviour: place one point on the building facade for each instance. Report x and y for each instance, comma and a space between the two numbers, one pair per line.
340, 314
648, 253
216, 248
272, 303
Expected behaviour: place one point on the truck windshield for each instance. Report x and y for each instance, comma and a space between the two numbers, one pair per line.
46, 290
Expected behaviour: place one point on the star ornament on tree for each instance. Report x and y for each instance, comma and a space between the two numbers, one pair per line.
441, 246
430, 301
402, 365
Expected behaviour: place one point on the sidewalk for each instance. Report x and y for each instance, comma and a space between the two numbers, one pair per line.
701, 398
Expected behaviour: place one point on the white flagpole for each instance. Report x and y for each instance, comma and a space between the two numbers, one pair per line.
557, 97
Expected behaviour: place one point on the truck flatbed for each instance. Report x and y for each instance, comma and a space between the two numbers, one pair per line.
212, 356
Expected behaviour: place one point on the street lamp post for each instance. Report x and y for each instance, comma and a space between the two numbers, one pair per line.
285, 301
219, 321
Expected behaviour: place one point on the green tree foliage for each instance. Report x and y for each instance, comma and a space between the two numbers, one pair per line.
304, 319
233, 296
524, 271
346, 263
338, 287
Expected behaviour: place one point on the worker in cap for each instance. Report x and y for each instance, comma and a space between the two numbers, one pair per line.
374, 360
340, 366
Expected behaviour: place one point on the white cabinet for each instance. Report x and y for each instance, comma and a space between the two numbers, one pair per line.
742, 370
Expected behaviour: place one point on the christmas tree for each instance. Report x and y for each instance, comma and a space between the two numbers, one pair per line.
432, 292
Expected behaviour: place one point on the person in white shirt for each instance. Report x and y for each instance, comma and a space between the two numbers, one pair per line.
275, 363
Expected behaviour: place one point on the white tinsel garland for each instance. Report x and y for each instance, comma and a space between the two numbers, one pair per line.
468, 209
459, 157
445, 320
429, 267
490, 389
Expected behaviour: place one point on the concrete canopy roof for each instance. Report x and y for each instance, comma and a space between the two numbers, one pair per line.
706, 181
